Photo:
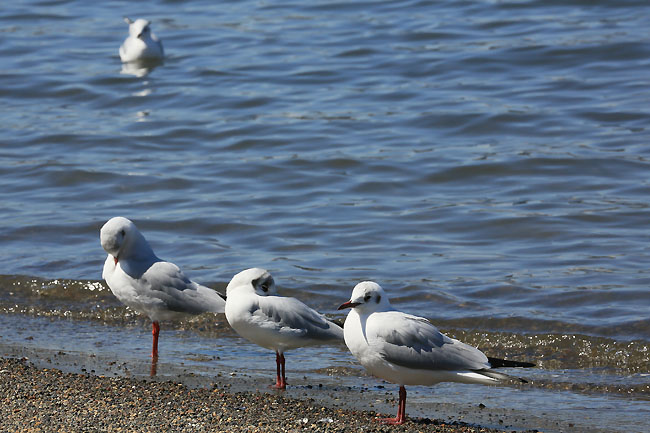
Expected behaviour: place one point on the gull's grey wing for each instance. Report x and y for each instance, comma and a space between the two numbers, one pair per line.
413, 342
291, 315
169, 284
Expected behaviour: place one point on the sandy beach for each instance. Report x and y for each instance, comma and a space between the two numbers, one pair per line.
49, 400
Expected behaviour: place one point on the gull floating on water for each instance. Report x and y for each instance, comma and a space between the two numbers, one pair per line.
274, 322
409, 350
142, 44
147, 284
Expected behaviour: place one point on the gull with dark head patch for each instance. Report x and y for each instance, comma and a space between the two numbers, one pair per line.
409, 350
257, 313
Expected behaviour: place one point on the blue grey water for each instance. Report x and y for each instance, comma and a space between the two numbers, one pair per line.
485, 161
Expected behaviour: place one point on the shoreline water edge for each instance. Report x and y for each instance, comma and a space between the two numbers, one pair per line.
45, 389
45, 399
582, 382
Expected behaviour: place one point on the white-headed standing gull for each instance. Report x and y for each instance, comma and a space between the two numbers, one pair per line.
147, 284
274, 322
409, 350
142, 44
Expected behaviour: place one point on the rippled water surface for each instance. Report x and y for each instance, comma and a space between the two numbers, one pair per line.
485, 161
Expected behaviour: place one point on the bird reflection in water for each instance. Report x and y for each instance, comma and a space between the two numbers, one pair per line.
140, 68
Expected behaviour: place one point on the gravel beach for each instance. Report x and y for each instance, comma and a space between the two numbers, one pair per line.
49, 400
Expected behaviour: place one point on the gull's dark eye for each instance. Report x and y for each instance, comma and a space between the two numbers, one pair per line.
367, 297
123, 232
262, 283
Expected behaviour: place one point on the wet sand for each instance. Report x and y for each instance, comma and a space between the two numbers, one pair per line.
47, 400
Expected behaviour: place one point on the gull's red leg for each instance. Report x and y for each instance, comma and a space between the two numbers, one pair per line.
154, 367
155, 330
284, 378
401, 410
402, 396
278, 378
281, 380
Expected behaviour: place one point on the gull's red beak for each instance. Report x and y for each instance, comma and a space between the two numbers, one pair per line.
348, 304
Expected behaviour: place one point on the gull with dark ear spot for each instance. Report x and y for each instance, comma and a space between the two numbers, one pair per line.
147, 284
257, 313
141, 44
409, 350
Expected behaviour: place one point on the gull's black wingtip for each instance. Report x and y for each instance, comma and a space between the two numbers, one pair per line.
496, 363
